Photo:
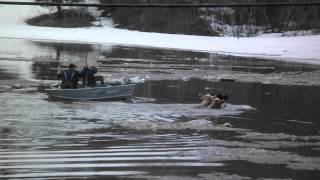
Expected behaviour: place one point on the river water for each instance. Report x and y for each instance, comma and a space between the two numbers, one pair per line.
268, 129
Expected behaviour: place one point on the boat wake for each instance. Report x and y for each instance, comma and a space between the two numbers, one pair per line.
136, 115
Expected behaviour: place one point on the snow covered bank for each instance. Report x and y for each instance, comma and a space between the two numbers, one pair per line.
304, 49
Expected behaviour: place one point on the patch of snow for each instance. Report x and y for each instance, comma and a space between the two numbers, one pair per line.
18, 14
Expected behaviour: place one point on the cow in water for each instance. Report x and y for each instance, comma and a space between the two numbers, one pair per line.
212, 101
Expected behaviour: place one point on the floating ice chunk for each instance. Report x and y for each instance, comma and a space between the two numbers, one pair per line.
199, 124
142, 100
26, 90
227, 125
135, 79
159, 118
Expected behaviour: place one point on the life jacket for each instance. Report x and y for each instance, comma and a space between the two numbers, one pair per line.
67, 81
65, 76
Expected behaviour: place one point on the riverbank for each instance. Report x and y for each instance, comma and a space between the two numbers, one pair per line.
302, 49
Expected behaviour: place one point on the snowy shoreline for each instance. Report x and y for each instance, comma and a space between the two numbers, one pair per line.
299, 49
314, 61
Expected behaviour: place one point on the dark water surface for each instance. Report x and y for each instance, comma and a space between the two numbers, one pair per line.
269, 127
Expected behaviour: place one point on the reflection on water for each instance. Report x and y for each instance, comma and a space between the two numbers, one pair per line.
266, 130
42, 60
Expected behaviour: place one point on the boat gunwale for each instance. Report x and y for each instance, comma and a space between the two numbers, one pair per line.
51, 93
87, 88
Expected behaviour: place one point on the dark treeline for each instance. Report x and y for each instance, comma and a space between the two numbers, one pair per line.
167, 20
215, 21
236, 21
64, 17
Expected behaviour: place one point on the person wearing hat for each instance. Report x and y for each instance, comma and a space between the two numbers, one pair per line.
69, 77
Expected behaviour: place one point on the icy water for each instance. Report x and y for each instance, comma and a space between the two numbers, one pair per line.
269, 128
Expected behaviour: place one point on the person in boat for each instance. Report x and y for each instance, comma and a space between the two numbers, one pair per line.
70, 77
89, 78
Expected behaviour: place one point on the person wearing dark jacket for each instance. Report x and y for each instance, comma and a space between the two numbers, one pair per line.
69, 77
89, 76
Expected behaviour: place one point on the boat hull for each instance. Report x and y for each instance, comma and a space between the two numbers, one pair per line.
94, 93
